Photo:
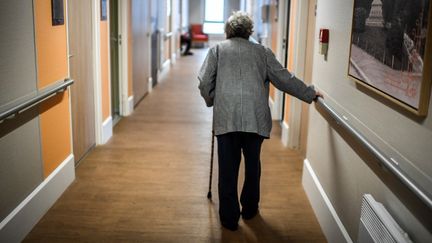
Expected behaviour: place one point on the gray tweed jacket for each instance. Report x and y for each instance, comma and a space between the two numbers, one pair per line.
234, 79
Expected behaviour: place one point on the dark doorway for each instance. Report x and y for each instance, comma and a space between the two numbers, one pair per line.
286, 46
155, 40
115, 41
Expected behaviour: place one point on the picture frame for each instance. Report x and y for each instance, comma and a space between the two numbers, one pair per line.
57, 12
391, 51
104, 10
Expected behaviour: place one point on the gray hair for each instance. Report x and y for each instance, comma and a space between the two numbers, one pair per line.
239, 24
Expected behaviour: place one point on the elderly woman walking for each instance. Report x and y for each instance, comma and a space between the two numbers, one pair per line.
234, 79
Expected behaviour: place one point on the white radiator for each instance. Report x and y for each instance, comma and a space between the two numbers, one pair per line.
377, 225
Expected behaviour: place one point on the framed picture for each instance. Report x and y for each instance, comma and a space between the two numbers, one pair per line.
103, 10
391, 50
57, 12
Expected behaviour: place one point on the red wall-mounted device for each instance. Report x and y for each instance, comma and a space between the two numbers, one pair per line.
323, 41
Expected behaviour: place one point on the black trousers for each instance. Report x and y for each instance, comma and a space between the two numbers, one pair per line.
230, 147
185, 41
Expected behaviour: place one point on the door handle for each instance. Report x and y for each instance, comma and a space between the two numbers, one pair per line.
116, 39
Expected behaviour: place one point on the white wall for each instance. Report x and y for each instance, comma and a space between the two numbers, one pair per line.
230, 6
185, 13
196, 9
343, 172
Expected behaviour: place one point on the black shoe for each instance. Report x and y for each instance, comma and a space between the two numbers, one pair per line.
249, 214
230, 226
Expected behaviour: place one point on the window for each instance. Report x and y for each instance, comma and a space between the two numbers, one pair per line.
214, 17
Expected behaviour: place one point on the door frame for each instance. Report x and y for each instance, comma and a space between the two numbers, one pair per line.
68, 74
281, 53
103, 128
104, 131
308, 72
126, 102
97, 73
300, 47
291, 131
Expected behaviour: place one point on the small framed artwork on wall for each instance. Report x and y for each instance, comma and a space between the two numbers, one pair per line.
391, 50
103, 10
57, 12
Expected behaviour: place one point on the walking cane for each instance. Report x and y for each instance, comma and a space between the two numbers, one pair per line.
209, 194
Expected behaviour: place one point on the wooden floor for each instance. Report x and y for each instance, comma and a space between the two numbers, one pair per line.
149, 182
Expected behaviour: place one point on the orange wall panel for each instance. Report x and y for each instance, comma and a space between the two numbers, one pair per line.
52, 65
106, 102
292, 31
274, 26
55, 131
51, 46
273, 39
287, 108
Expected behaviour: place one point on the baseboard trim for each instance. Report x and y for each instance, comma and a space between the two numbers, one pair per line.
173, 58
129, 106
107, 130
285, 133
166, 66
150, 84
328, 219
25, 216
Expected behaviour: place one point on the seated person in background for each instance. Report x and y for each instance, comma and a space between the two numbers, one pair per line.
186, 39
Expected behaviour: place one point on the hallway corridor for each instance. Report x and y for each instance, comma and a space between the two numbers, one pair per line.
149, 182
